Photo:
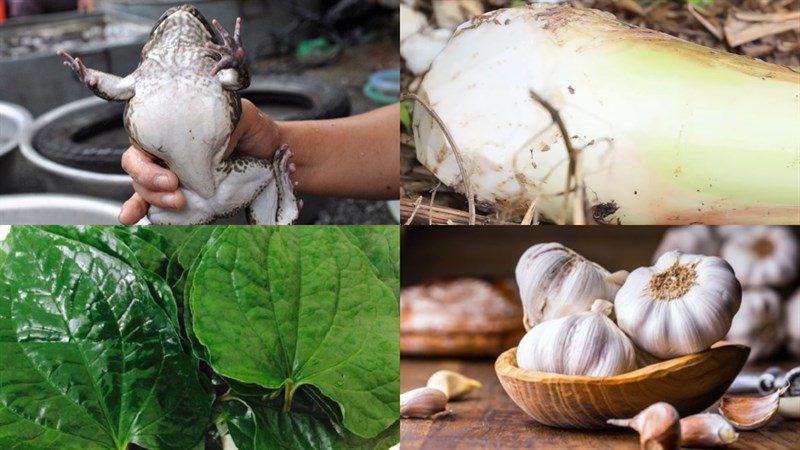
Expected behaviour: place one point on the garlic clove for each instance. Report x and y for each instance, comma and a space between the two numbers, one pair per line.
618, 277
789, 407
453, 384
658, 426
422, 403
707, 430
750, 413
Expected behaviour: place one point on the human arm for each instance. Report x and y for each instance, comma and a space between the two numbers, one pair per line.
354, 157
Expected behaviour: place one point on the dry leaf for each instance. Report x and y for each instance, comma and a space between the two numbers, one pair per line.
707, 19
738, 32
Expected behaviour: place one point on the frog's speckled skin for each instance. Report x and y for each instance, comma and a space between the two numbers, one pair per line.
182, 108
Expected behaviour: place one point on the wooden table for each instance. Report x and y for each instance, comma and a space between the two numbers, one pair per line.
487, 418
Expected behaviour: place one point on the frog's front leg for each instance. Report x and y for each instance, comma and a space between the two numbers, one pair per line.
231, 70
104, 85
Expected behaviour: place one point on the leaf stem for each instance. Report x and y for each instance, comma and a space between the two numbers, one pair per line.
288, 393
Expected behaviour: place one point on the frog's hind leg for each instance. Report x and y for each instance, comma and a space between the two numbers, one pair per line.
277, 204
240, 180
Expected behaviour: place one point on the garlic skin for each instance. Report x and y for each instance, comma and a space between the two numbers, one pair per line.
681, 305
750, 413
758, 323
762, 255
453, 384
554, 282
422, 403
658, 426
707, 430
792, 325
587, 343
693, 239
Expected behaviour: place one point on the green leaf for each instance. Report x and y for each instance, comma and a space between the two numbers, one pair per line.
146, 246
174, 234
182, 267
107, 240
89, 360
405, 118
381, 244
264, 426
288, 307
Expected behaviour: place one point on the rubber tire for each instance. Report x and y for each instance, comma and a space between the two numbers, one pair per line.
61, 139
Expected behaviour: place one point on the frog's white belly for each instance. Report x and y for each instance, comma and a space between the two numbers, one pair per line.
187, 123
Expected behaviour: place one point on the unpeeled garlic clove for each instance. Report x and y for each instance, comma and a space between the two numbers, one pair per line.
707, 430
422, 403
618, 277
453, 384
658, 426
789, 407
750, 413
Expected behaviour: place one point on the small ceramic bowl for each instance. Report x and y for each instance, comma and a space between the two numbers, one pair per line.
690, 383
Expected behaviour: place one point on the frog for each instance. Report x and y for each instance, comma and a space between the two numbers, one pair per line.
182, 105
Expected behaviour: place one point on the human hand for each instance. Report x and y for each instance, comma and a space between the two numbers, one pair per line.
256, 134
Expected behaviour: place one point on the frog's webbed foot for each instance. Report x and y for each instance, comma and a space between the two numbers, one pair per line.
277, 204
104, 85
231, 57
262, 186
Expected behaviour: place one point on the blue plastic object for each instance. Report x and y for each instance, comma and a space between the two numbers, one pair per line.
383, 87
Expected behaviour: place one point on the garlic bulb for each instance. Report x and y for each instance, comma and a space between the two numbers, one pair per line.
793, 324
762, 255
758, 323
587, 343
681, 305
694, 239
554, 282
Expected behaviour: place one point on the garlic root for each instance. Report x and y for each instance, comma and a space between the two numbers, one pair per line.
453, 384
750, 413
658, 426
707, 430
422, 403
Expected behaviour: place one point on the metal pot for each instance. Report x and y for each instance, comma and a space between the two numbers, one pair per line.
43, 209
13, 121
34, 77
62, 178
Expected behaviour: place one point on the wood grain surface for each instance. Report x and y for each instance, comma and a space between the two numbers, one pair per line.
487, 418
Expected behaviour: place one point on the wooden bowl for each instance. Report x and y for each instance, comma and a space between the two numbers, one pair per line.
690, 383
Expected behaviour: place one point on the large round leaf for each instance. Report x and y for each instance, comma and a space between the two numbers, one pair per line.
89, 360
287, 307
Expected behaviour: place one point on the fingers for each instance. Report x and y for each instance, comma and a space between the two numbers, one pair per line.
236, 31
140, 166
215, 47
168, 200
133, 210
